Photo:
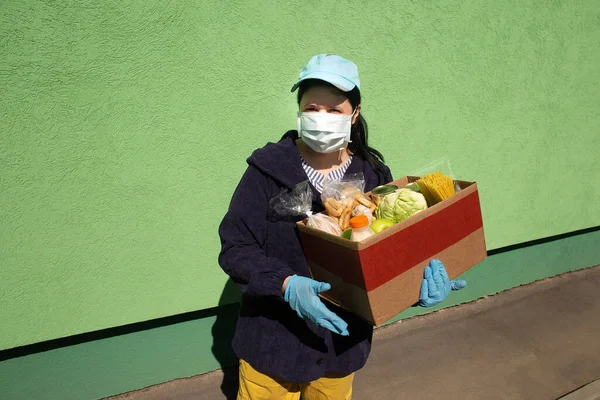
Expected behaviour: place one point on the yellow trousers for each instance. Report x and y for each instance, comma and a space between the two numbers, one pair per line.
255, 385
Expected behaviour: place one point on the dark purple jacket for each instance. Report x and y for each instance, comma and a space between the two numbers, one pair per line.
259, 250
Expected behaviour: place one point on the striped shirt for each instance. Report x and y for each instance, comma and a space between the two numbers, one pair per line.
317, 178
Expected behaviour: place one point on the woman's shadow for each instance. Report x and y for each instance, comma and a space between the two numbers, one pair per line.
222, 332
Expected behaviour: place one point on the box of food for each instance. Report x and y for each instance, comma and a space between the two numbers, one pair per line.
379, 277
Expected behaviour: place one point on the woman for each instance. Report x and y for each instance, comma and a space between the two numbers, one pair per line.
289, 342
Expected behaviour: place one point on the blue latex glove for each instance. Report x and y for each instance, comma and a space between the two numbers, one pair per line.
303, 296
436, 285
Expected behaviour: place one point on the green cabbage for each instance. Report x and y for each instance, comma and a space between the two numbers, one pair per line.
400, 205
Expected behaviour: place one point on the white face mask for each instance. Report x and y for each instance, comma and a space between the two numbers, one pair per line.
325, 132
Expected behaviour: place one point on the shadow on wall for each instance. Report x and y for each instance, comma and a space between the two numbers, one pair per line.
222, 333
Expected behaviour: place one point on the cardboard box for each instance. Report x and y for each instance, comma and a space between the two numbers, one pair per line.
381, 276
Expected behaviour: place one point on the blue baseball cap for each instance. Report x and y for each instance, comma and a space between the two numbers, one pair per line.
333, 69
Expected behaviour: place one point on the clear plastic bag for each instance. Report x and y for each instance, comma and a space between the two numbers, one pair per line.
346, 188
341, 197
295, 203
324, 223
441, 164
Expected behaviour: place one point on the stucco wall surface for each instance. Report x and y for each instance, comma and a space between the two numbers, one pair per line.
125, 127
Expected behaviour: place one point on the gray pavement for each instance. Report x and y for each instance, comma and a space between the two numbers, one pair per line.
538, 341
591, 391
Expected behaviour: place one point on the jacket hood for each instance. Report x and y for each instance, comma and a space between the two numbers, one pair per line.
280, 161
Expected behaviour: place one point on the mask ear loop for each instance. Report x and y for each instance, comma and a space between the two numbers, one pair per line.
349, 141
352, 116
299, 125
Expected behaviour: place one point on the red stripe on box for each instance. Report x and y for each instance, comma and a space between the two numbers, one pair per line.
415, 244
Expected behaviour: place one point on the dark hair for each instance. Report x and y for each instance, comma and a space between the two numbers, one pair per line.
359, 133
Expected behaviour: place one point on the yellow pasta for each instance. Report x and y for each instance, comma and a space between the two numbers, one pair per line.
436, 187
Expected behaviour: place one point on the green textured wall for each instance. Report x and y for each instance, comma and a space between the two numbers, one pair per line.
125, 126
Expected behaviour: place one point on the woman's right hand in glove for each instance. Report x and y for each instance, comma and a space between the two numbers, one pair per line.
302, 294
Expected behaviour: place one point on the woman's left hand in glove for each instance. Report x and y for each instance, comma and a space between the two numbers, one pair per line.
436, 285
